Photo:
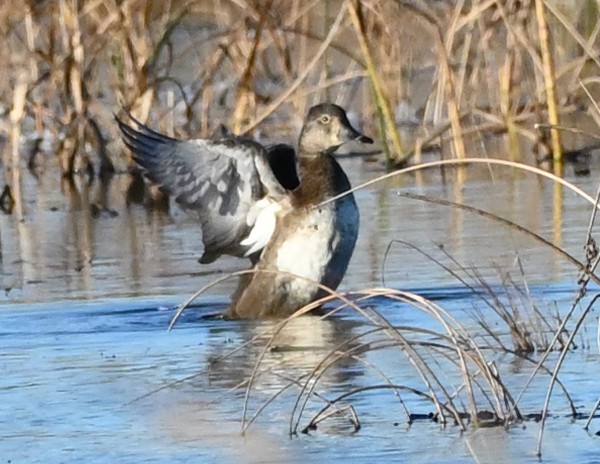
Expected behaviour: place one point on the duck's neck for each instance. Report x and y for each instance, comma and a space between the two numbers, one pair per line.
321, 177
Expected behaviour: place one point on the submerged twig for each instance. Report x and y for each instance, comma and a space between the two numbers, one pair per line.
592, 413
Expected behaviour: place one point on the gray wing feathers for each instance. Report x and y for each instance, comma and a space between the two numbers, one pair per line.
220, 180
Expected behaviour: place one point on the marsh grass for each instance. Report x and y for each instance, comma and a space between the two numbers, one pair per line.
453, 357
528, 326
455, 364
452, 72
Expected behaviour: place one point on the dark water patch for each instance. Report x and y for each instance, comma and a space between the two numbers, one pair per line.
457, 292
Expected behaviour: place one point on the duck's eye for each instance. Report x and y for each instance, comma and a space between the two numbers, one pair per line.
325, 119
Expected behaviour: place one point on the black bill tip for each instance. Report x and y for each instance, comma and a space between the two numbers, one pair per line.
364, 139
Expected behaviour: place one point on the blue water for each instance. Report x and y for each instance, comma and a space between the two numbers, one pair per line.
75, 373
89, 372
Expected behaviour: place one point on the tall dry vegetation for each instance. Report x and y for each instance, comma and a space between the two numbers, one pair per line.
422, 72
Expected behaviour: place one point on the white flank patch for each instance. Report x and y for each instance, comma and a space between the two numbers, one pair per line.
264, 217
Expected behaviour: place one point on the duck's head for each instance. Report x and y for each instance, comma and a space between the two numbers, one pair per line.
326, 128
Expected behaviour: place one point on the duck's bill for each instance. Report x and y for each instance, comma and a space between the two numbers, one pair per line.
364, 139
350, 134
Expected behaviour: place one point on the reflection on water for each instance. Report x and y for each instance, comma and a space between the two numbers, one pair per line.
82, 241
90, 284
293, 350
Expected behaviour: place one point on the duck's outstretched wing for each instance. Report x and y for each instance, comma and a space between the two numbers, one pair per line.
224, 181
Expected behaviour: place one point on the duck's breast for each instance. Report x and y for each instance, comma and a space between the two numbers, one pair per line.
317, 244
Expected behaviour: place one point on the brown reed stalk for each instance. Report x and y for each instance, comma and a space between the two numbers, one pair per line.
381, 102
137, 45
427, 375
16, 116
350, 347
310, 66
506, 93
586, 44
73, 159
549, 81
455, 337
31, 33
452, 103
245, 98
594, 260
446, 80
592, 414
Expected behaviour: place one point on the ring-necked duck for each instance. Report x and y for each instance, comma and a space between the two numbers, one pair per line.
254, 202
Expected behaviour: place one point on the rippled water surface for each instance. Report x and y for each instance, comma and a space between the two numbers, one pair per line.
88, 295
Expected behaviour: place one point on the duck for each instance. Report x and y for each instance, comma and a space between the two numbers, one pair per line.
267, 204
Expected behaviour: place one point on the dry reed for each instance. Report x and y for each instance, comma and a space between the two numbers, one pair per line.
206, 64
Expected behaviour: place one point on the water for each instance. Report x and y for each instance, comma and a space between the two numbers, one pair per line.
87, 300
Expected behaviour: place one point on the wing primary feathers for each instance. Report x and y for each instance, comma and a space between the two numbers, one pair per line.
138, 140
221, 180
144, 129
142, 141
